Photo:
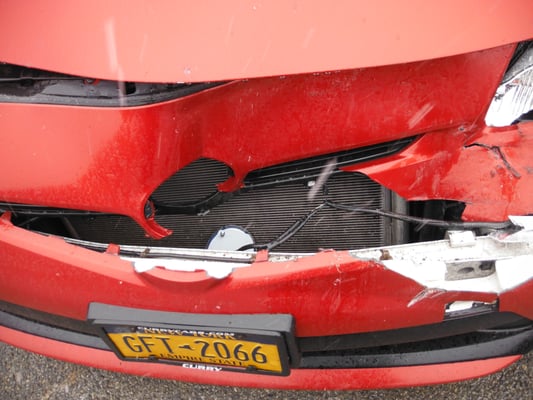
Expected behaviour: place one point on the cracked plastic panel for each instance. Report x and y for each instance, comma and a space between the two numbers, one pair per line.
352, 292
229, 123
489, 169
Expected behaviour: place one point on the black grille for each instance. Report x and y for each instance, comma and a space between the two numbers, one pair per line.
193, 183
309, 168
272, 200
266, 213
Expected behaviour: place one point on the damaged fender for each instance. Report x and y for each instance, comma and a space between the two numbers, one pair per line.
489, 169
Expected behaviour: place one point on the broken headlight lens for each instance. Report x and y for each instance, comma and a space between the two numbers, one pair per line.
514, 96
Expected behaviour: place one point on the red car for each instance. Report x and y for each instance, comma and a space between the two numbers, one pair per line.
290, 194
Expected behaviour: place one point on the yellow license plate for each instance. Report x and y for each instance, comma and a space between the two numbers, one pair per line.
209, 350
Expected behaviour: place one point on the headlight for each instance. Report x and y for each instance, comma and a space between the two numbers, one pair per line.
514, 96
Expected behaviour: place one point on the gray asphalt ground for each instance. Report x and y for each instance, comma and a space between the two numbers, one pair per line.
29, 376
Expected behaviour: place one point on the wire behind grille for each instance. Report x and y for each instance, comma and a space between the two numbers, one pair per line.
264, 212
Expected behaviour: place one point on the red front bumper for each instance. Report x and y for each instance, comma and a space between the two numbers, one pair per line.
329, 293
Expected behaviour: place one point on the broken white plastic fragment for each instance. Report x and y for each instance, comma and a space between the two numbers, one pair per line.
461, 238
430, 263
459, 306
214, 269
525, 222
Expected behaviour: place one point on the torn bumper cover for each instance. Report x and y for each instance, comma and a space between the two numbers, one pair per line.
395, 316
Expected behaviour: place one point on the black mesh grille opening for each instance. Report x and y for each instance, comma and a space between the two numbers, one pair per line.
265, 213
193, 183
309, 168
272, 200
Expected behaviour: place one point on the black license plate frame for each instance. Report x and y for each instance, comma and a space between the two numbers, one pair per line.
248, 343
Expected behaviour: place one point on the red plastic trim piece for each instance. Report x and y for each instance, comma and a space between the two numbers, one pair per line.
310, 379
